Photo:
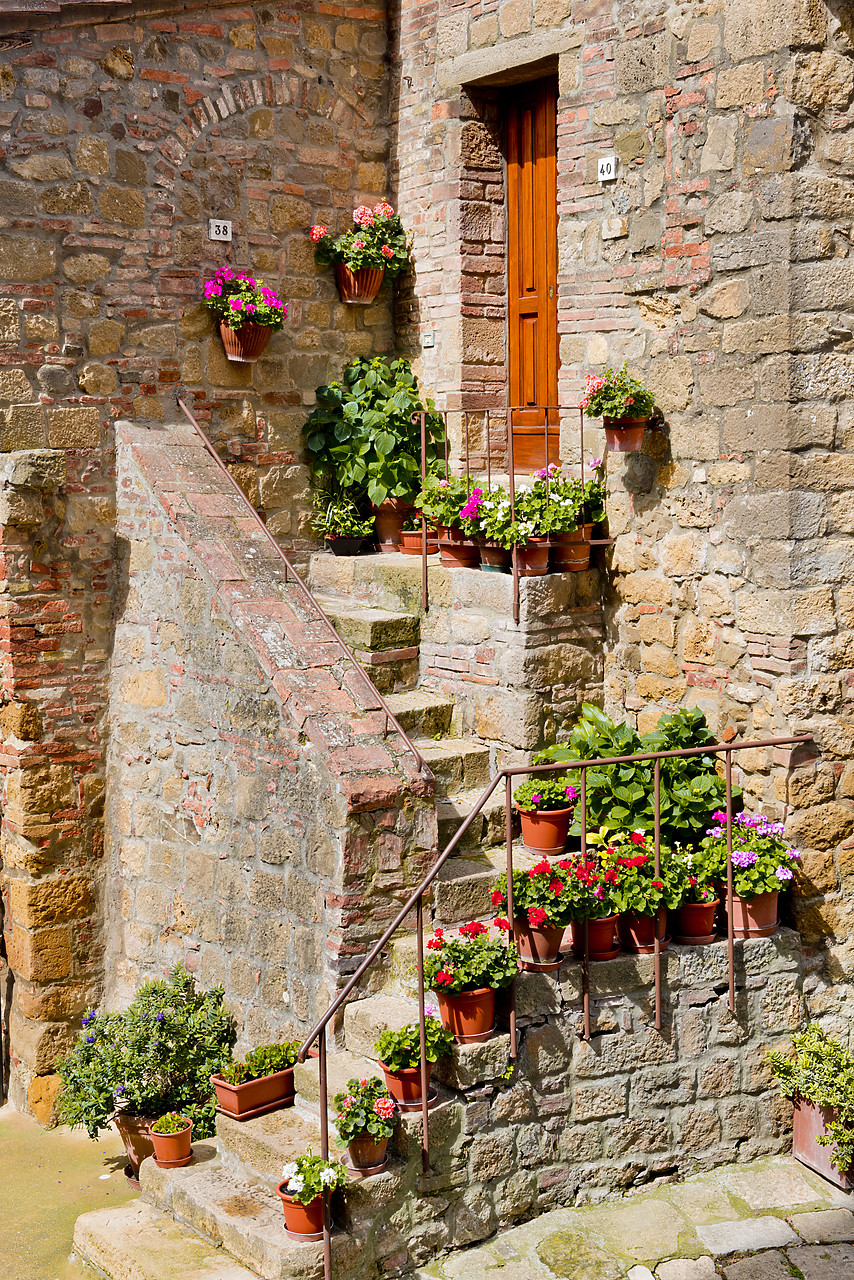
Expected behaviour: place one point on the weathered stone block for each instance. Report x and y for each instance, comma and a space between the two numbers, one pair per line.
50, 901
740, 86
77, 428
41, 956
642, 63
84, 268
125, 205
718, 152
25, 259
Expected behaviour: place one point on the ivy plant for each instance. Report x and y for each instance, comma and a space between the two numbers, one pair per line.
821, 1071
361, 437
401, 1050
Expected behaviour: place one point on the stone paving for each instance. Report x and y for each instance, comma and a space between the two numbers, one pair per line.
768, 1220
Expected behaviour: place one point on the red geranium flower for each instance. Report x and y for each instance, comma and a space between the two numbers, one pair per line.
444, 977
497, 897
543, 867
656, 884
473, 929
637, 838
536, 916
501, 923
556, 886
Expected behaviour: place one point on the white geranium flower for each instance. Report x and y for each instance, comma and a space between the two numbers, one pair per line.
296, 1183
328, 1177
290, 1170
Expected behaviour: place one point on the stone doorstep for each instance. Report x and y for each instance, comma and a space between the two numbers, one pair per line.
422, 712
369, 628
261, 1146
460, 764
138, 1242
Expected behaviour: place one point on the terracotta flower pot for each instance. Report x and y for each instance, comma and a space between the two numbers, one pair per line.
405, 1085
389, 519
246, 344
570, 552
411, 543
544, 830
255, 1097
533, 560
602, 942
348, 546
754, 917
358, 287
470, 1016
637, 930
624, 435
539, 945
135, 1133
810, 1122
366, 1154
456, 551
302, 1220
529, 447
695, 923
495, 559
173, 1150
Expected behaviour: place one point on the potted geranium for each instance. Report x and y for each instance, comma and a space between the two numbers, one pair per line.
542, 908
247, 313
497, 533
365, 1119
364, 439
819, 1080
698, 900
592, 887
345, 529
573, 511
375, 246
262, 1082
545, 805
451, 504
641, 894
155, 1056
763, 864
465, 972
624, 404
411, 540
172, 1137
305, 1182
400, 1058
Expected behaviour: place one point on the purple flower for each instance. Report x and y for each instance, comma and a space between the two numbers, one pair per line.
595, 463
743, 857
90, 1039
158, 1017
793, 853
89, 1018
784, 873
571, 793
120, 1090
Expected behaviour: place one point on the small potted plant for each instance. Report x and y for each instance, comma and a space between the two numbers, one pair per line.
819, 1080
345, 529
534, 513
155, 1056
641, 895
624, 404
465, 972
451, 504
542, 909
698, 900
262, 1082
497, 533
247, 313
763, 864
592, 902
545, 806
411, 540
375, 246
573, 511
305, 1183
172, 1137
365, 1119
400, 1058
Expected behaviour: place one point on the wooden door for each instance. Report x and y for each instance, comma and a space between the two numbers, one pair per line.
531, 139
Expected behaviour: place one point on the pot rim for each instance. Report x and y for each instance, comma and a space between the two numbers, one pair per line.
460, 995
176, 1133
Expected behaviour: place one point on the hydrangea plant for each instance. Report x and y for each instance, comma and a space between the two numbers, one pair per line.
309, 1175
237, 298
468, 962
762, 861
365, 1107
377, 240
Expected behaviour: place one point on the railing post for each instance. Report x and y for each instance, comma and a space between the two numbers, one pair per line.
511, 932
511, 476
657, 936
424, 587
324, 1151
585, 964
422, 1032
730, 936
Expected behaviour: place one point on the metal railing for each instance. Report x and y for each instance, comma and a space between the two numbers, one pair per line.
416, 902
390, 717
551, 416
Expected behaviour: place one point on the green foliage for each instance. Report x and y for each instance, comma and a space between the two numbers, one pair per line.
638, 887
365, 1107
494, 523
571, 503
442, 499
263, 1061
468, 962
621, 797
762, 862
170, 1122
340, 517
543, 793
156, 1056
401, 1050
307, 1176
616, 394
361, 437
822, 1071
377, 239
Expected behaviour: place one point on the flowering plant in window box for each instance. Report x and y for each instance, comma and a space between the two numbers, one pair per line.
623, 402
465, 972
304, 1182
375, 246
365, 1118
763, 864
246, 310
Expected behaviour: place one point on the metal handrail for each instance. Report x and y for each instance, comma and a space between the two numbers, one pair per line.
390, 717
416, 900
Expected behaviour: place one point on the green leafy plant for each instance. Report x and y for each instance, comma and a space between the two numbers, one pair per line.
571, 503
468, 962
266, 1060
309, 1175
401, 1050
376, 240
621, 797
156, 1056
616, 395
822, 1072
340, 517
237, 298
361, 438
544, 895
762, 861
365, 1107
444, 499
494, 523
695, 880
544, 793
170, 1122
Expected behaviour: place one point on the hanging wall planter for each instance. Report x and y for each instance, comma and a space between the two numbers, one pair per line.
625, 435
358, 287
623, 403
246, 311
246, 344
376, 246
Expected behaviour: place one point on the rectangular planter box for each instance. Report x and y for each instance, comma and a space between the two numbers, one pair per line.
255, 1097
809, 1123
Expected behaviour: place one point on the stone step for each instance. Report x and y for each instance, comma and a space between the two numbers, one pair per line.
262, 1145
343, 1065
463, 889
371, 629
423, 712
487, 829
365, 1019
139, 1242
459, 764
